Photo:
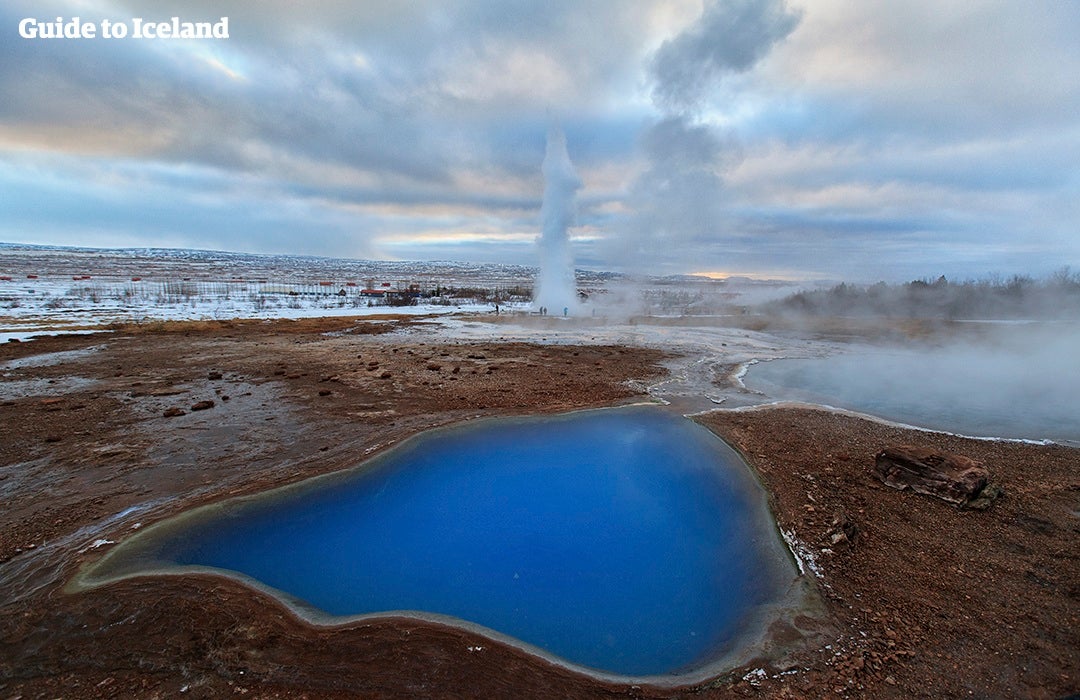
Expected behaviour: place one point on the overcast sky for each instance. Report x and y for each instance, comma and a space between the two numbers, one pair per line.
856, 139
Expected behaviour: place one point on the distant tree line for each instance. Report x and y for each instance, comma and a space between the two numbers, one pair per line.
1019, 296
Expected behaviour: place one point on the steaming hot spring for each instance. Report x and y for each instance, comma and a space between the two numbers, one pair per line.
627, 541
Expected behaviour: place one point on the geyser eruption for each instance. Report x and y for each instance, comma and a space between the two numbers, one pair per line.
556, 289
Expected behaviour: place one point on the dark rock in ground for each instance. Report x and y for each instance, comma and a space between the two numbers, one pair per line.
173, 412
214, 375
202, 405
985, 498
950, 477
841, 530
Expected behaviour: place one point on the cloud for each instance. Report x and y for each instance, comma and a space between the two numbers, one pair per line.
957, 123
872, 138
729, 37
826, 135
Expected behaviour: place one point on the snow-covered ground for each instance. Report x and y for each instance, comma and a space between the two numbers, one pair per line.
52, 305
703, 349
51, 289
695, 321
47, 305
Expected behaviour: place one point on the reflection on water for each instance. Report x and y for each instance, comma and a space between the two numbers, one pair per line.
630, 541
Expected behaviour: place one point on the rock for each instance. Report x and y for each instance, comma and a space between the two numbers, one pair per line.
213, 375
202, 405
841, 530
985, 498
950, 477
166, 392
173, 412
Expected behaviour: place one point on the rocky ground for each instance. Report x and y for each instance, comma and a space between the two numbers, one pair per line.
918, 598
927, 600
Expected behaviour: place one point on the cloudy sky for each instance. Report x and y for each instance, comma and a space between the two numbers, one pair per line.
857, 139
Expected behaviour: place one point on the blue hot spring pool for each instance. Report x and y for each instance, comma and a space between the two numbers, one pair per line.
630, 541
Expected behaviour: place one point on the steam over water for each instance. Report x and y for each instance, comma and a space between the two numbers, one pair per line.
1023, 382
556, 289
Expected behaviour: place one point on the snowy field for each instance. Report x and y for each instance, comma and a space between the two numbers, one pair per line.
46, 291
32, 307
49, 290
66, 290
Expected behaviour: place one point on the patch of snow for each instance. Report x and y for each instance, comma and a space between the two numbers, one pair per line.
755, 676
738, 375
96, 544
54, 305
804, 557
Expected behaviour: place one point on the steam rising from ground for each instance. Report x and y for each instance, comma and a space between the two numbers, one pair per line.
556, 288
1015, 380
677, 203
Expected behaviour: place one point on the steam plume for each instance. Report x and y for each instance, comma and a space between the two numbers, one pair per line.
556, 288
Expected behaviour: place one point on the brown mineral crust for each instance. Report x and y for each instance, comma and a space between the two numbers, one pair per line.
930, 601
153, 637
923, 600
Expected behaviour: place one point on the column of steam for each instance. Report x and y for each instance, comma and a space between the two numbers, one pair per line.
556, 288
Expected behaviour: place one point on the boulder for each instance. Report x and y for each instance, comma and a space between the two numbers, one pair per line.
950, 477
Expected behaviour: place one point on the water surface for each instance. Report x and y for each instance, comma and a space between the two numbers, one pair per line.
631, 541
1016, 391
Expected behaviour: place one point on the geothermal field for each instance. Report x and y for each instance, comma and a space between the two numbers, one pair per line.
220, 477
655, 349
